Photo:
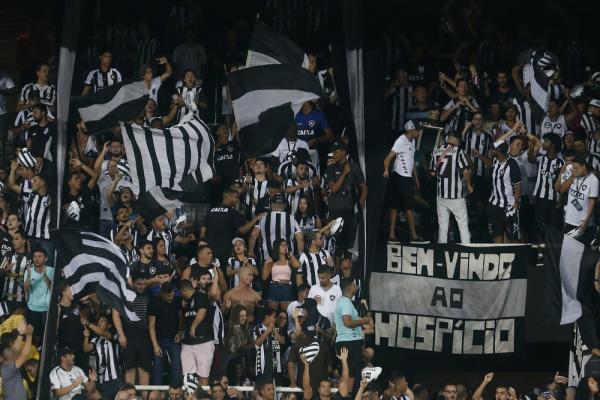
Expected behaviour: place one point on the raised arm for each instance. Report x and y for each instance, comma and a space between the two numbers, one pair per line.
344, 383
478, 394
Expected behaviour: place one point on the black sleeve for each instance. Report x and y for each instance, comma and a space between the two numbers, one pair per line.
515, 172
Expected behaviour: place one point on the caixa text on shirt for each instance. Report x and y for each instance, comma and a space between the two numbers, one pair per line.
445, 335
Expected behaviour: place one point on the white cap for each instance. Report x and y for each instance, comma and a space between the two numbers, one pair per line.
595, 103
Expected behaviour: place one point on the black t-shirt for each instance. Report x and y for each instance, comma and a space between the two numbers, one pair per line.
88, 208
167, 317
6, 248
318, 366
343, 200
204, 330
222, 224
152, 269
502, 98
227, 161
40, 136
70, 330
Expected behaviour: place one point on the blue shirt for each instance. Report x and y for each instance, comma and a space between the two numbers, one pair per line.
311, 125
345, 334
39, 292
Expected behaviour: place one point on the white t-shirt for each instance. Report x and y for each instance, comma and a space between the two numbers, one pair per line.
59, 378
528, 173
6, 83
329, 298
559, 126
581, 191
405, 156
285, 147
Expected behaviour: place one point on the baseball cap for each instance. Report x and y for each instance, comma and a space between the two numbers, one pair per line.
302, 154
237, 239
63, 351
595, 103
411, 125
339, 146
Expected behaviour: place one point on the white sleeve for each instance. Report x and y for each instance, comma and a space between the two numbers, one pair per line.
22, 96
594, 188
88, 79
119, 77
302, 261
397, 147
311, 292
54, 380
449, 105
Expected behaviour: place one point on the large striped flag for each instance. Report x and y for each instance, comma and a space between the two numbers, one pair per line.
106, 108
165, 157
94, 264
542, 67
270, 47
266, 99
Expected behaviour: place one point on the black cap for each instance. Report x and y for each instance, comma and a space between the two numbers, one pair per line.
279, 198
63, 351
502, 148
339, 146
580, 160
302, 154
273, 184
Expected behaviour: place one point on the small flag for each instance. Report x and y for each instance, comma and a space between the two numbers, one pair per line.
94, 264
542, 66
310, 351
270, 47
106, 108
370, 373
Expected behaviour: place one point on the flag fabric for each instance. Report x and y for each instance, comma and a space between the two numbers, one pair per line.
94, 264
310, 351
106, 108
570, 276
157, 201
165, 157
542, 66
266, 99
270, 47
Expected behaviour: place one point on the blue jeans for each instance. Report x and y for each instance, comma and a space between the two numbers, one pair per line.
171, 350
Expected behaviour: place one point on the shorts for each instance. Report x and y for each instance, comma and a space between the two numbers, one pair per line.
138, 353
197, 358
501, 222
280, 292
355, 348
403, 192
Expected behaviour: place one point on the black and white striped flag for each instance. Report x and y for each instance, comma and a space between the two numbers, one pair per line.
106, 108
270, 47
570, 276
542, 66
165, 157
94, 264
265, 101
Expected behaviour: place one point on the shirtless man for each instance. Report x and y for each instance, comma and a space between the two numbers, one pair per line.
243, 294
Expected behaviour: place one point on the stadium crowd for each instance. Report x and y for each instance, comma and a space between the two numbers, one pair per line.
253, 281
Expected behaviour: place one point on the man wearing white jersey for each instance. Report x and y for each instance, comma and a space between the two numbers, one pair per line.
326, 293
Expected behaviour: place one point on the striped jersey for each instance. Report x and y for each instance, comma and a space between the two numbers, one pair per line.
37, 216
593, 159
26, 117
459, 118
287, 169
277, 225
261, 351
256, 191
401, 101
189, 97
558, 126
294, 198
480, 141
548, 171
26, 191
47, 93
100, 80
106, 353
590, 123
236, 264
593, 144
13, 279
505, 175
306, 223
448, 162
525, 115
310, 264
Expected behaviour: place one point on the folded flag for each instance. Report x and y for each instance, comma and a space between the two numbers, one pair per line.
266, 99
165, 157
270, 47
94, 264
157, 201
105, 109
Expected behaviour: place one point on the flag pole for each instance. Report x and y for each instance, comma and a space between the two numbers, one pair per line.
70, 33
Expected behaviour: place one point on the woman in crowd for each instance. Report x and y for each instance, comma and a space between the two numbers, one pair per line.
277, 270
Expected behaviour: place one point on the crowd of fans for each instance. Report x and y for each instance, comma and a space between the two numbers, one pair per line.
260, 287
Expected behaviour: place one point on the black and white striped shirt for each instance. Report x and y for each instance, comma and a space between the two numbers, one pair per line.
277, 225
459, 118
37, 216
590, 123
167, 235
448, 162
107, 359
401, 101
236, 264
505, 175
256, 191
593, 144
13, 279
47, 93
306, 223
114, 231
189, 96
593, 159
99, 80
548, 171
261, 351
294, 198
480, 141
287, 170
26, 190
558, 126
310, 264
525, 115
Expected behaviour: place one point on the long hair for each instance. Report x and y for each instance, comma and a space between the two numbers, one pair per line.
276, 249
